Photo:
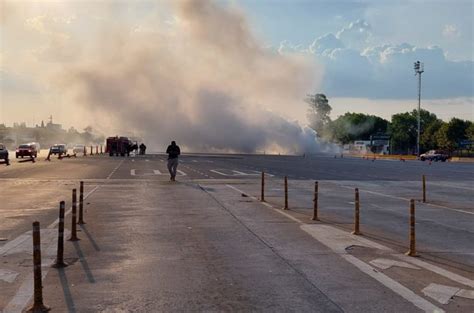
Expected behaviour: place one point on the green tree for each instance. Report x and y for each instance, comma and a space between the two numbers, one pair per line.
470, 131
450, 134
356, 126
428, 136
404, 129
318, 113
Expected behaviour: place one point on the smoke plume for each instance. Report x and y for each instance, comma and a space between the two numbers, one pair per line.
201, 78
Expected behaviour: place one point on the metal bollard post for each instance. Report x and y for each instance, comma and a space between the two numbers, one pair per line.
315, 202
412, 250
38, 305
356, 214
424, 188
73, 217
85, 151
92, 151
81, 204
286, 193
101, 150
96, 150
262, 191
60, 256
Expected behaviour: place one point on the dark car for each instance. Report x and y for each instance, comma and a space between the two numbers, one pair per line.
58, 148
434, 155
4, 154
27, 150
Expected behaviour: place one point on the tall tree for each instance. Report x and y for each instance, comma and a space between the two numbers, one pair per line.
356, 126
318, 112
450, 134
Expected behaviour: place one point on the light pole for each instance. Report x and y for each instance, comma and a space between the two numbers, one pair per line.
419, 69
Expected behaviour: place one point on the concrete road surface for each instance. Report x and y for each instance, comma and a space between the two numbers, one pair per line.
206, 242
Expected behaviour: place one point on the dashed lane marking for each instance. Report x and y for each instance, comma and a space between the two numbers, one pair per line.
115, 169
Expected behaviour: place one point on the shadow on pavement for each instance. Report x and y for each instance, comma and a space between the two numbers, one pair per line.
89, 236
66, 290
84, 263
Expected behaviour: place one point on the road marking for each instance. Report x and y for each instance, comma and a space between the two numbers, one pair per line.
8, 275
239, 173
393, 285
115, 169
441, 293
341, 240
387, 263
438, 270
133, 172
450, 186
406, 199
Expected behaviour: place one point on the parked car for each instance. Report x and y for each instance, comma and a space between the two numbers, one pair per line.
78, 149
59, 148
434, 155
28, 149
4, 154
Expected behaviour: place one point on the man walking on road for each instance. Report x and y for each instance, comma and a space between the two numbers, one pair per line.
173, 153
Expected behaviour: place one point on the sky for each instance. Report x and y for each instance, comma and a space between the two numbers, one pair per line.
361, 52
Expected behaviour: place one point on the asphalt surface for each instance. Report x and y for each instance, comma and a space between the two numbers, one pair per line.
214, 250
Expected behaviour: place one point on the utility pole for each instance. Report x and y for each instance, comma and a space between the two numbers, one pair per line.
419, 69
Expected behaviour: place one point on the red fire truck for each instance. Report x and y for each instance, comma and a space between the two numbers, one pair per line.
118, 145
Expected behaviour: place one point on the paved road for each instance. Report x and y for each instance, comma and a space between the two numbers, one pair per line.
129, 189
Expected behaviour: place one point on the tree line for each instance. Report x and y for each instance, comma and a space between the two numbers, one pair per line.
435, 133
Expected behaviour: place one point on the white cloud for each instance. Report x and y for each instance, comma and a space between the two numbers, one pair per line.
355, 69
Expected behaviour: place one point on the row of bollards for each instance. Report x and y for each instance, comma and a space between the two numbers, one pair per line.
38, 305
356, 231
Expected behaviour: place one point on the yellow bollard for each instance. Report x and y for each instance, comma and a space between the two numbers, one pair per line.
356, 214
262, 191
424, 188
315, 202
286, 193
412, 249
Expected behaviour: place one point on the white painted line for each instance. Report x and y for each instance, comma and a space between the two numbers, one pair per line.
8, 275
438, 270
387, 263
220, 173
115, 169
19, 302
393, 285
441, 293
463, 293
406, 199
450, 186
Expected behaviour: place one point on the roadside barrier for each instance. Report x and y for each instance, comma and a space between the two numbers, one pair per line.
315, 203
38, 305
262, 191
73, 217
81, 204
424, 188
356, 213
286, 193
85, 151
59, 263
412, 250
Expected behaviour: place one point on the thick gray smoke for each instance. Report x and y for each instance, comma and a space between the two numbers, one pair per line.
204, 81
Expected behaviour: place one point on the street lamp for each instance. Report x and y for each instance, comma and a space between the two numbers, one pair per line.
419, 69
